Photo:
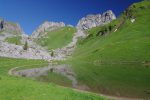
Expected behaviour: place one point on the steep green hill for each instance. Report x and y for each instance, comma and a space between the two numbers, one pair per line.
130, 42
19, 88
57, 38
117, 63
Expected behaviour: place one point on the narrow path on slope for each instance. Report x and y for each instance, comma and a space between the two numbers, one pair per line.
63, 53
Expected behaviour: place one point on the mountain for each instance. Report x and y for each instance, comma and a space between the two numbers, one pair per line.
13, 39
91, 21
53, 35
114, 58
61, 38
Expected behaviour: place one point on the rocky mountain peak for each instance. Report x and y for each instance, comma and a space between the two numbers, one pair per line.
46, 26
91, 20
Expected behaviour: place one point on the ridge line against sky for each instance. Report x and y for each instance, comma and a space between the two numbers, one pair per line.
31, 13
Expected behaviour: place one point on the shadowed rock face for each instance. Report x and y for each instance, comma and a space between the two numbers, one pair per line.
91, 21
1, 25
10, 27
46, 26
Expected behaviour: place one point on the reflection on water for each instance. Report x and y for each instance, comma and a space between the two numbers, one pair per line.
131, 80
37, 73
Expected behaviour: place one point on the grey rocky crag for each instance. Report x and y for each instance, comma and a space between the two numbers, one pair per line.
9, 27
46, 26
91, 21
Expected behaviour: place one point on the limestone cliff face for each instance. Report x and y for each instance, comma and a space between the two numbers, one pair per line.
46, 26
91, 21
9, 27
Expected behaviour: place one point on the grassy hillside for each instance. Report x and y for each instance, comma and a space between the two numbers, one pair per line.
130, 42
57, 38
14, 40
117, 63
19, 88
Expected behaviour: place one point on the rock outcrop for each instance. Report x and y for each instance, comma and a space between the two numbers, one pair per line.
46, 26
9, 27
91, 21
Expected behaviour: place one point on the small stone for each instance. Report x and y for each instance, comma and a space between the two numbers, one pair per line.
132, 20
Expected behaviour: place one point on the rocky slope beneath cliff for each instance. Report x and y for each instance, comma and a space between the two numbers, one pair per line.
9, 32
16, 51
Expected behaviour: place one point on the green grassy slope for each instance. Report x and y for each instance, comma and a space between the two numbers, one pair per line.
57, 38
19, 88
14, 40
130, 42
117, 63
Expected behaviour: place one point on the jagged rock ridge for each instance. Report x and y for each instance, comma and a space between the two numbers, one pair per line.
91, 21
46, 26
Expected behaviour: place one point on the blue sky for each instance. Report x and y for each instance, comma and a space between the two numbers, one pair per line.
31, 13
